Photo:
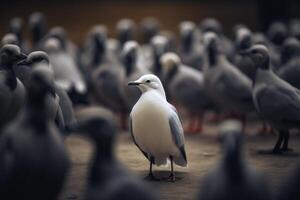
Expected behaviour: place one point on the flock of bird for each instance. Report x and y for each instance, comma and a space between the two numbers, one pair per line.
43, 79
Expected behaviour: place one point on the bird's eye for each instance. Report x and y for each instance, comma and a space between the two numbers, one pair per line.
148, 81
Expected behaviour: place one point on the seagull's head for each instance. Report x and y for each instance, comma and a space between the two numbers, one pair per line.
243, 38
170, 61
148, 82
11, 54
259, 54
36, 57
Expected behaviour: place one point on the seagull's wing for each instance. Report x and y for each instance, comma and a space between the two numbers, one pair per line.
279, 102
131, 132
177, 131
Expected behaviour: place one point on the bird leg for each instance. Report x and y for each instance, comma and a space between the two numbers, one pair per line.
151, 175
265, 129
286, 138
276, 148
171, 178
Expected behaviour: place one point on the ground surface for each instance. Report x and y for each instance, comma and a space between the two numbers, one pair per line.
203, 153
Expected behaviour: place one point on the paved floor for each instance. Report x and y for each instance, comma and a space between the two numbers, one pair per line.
203, 153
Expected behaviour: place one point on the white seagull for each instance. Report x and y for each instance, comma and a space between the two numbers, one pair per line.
155, 126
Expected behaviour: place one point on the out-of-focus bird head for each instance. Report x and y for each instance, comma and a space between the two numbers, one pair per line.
290, 49
159, 44
52, 45
10, 38
277, 33
187, 29
231, 137
170, 61
11, 54
37, 26
260, 56
147, 83
125, 30
15, 26
130, 50
149, 28
59, 33
211, 41
35, 58
211, 25
243, 38
98, 38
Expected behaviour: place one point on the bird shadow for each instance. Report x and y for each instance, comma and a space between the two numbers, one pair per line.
163, 176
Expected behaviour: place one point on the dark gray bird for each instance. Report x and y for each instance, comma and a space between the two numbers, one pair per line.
10, 38
12, 91
16, 27
107, 179
61, 101
190, 52
186, 88
294, 28
33, 159
225, 85
233, 178
38, 29
159, 46
125, 29
289, 188
276, 101
243, 41
290, 61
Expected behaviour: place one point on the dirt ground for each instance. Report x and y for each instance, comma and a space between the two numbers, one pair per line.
203, 153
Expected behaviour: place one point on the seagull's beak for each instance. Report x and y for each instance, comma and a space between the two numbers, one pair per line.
136, 83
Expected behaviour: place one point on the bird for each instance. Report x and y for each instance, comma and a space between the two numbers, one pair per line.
190, 52
233, 178
12, 91
125, 29
155, 126
276, 100
67, 74
107, 178
60, 103
38, 29
33, 159
133, 70
186, 87
290, 62
10, 38
225, 85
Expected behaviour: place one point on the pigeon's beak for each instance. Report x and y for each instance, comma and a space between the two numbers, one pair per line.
132, 83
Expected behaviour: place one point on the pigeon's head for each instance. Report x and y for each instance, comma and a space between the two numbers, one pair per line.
10, 38
260, 55
211, 25
243, 38
11, 54
130, 51
125, 30
15, 26
290, 49
231, 137
41, 82
277, 33
35, 58
187, 29
170, 61
149, 28
147, 83
59, 33
159, 45
211, 41
96, 124
37, 25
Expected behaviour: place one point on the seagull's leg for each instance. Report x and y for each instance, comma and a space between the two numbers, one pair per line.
286, 137
172, 175
278, 143
151, 175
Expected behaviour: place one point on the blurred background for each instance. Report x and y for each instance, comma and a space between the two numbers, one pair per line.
78, 16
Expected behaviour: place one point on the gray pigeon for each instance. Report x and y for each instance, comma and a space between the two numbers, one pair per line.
107, 179
233, 178
12, 91
276, 101
155, 126
33, 159
186, 88
290, 58
225, 85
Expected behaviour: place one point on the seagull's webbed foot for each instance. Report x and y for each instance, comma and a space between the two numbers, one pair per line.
151, 177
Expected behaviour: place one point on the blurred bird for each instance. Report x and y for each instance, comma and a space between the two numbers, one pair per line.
33, 159
16, 28
277, 101
225, 85
38, 29
159, 46
190, 52
10, 38
67, 74
294, 28
126, 29
149, 28
107, 179
233, 178
155, 126
290, 61
12, 91
186, 88
59, 102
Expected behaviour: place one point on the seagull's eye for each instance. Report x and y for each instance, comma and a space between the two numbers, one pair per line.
148, 81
